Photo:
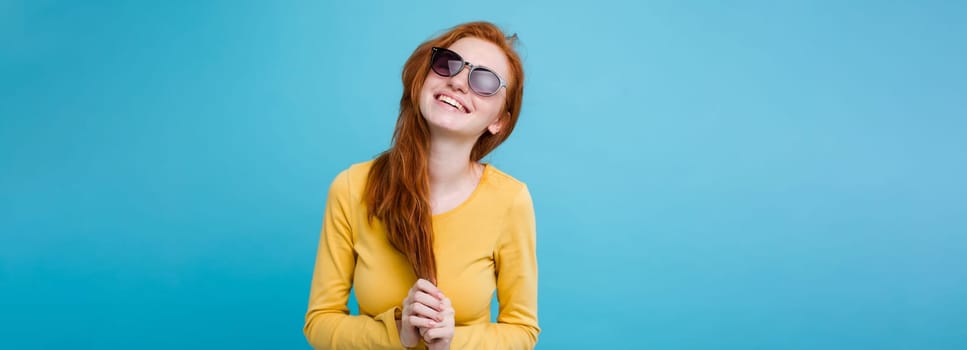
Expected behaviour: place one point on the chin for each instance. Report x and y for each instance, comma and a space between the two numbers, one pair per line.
439, 129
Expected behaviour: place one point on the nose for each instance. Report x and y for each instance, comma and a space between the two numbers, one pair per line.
459, 82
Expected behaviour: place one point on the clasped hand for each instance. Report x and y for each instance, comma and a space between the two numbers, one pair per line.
427, 314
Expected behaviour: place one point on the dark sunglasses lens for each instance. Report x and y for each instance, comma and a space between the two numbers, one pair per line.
446, 63
484, 82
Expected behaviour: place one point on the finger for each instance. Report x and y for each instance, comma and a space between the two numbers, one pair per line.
436, 333
447, 307
424, 333
428, 300
427, 287
407, 306
425, 311
422, 322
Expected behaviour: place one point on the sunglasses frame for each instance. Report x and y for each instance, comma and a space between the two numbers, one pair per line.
473, 67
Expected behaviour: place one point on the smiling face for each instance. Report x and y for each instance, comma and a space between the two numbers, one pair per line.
448, 104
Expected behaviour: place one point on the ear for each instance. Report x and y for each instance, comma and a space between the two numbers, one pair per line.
498, 123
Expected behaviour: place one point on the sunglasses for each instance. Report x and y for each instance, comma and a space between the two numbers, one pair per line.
482, 80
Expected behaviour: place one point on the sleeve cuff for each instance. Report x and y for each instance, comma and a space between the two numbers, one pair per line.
388, 318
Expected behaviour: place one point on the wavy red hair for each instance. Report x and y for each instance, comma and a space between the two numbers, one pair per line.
397, 190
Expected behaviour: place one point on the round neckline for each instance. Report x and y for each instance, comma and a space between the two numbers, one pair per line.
483, 178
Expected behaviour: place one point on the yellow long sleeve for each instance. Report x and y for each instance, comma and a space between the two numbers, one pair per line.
485, 245
516, 258
328, 323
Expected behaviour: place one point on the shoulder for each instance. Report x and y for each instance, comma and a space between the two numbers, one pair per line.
351, 181
504, 181
358, 172
515, 208
508, 188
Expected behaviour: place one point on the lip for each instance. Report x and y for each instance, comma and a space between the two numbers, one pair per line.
460, 100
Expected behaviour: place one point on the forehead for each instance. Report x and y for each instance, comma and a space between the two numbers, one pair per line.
481, 52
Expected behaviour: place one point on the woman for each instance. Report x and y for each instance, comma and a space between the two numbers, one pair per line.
425, 233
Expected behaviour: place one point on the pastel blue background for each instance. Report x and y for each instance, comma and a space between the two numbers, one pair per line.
706, 175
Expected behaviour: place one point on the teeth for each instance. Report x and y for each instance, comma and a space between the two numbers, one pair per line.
446, 99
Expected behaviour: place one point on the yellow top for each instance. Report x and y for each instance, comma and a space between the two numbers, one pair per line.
485, 243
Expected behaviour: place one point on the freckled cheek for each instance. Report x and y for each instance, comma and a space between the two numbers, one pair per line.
488, 109
433, 80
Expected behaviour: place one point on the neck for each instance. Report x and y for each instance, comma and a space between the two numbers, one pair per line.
449, 164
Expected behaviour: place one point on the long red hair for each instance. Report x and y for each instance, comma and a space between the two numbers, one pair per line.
398, 190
